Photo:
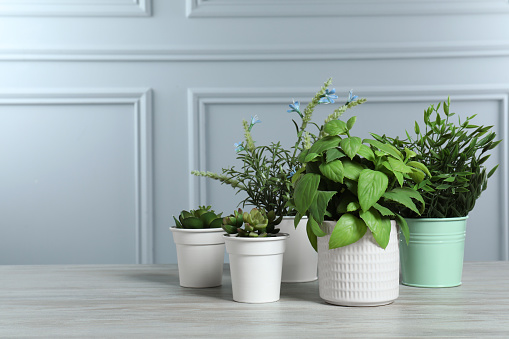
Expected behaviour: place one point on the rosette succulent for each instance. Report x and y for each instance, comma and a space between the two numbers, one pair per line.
203, 217
256, 223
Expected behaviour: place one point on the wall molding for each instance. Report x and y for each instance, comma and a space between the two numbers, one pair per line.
82, 8
324, 8
141, 101
200, 98
370, 51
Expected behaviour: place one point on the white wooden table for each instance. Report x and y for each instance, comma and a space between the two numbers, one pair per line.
145, 301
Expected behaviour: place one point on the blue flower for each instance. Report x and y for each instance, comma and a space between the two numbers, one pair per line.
329, 96
292, 173
351, 97
238, 147
254, 120
295, 107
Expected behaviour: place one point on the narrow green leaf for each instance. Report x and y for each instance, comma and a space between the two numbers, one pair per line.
333, 170
351, 122
416, 128
350, 146
379, 226
336, 127
305, 191
389, 149
371, 187
492, 171
420, 166
315, 228
348, 229
312, 237
404, 227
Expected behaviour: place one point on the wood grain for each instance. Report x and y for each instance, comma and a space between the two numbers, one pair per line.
114, 301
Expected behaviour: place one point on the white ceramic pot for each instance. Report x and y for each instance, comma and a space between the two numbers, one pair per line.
200, 254
300, 260
360, 274
255, 267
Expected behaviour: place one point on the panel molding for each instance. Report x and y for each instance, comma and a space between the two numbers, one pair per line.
82, 8
200, 98
370, 51
324, 8
141, 101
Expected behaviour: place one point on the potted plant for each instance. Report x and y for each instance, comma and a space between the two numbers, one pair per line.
200, 247
348, 188
266, 178
454, 155
256, 256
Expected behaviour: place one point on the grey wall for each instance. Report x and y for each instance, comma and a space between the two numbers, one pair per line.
106, 106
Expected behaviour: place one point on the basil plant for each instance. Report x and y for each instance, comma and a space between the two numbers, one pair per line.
360, 184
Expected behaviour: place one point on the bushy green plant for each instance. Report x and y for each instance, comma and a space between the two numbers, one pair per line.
203, 217
454, 155
255, 223
266, 172
356, 182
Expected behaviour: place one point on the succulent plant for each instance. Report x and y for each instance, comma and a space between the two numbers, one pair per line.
257, 223
203, 217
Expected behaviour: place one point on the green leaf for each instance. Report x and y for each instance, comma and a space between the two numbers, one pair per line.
319, 205
353, 206
492, 171
409, 154
366, 152
297, 174
403, 227
402, 197
350, 146
333, 154
383, 210
371, 187
312, 237
177, 223
398, 165
351, 169
416, 128
417, 176
305, 191
443, 187
335, 127
379, 226
420, 166
346, 198
389, 149
351, 122
310, 156
315, 228
324, 144
450, 179
399, 177
348, 230
297, 220
333, 170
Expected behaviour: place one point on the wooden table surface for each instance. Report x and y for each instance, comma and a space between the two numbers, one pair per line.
146, 301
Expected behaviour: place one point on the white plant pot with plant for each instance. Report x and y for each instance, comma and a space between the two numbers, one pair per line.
199, 239
256, 257
454, 154
300, 261
346, 187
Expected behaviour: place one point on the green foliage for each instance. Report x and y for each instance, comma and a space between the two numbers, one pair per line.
266, 174
253, 224
453, 155
203, 217
360, 183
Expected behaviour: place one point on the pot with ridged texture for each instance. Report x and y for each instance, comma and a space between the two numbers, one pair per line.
360, 274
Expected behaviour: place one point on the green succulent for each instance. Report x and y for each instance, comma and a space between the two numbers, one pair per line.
256, 223
203, 217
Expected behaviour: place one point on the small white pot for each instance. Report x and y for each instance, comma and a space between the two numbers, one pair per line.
360, 274
200, 254
255, 267
300, 260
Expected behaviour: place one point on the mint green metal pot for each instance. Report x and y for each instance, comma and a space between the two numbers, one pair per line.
434, 255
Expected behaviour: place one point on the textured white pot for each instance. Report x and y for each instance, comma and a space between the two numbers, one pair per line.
255, 267
360, 274
300, 260
200, 254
